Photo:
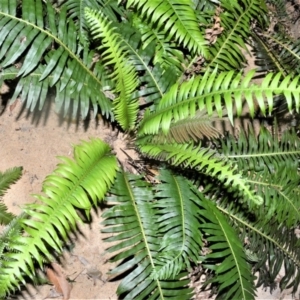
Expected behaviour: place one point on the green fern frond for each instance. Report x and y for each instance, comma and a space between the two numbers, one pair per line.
5, 216
233, 273
266, 58
177, 19
201, 6
277, 247
133, 222
7, 178
203, 160
271, 164
124, 73
155, 79
76, 12
213, 92
265, 151
74, 184
46, 43
177, 211
166, 52
158, 81
226, 53
278, 8
283, 52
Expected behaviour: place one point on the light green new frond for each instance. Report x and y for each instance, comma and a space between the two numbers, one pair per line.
177, 19
234, 277
133, 223
44, 45
214, 92
156, 79
177, 211
77, 183
203, 160
116, 55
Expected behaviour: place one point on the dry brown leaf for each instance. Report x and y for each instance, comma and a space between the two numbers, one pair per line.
58, 279
211, 34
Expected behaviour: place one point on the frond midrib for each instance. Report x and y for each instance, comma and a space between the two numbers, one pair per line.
137, 213
236, 260
279, 153
274, 57
242, 90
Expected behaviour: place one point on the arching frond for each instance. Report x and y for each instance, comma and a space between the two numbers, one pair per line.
177, 19
134, 222
76, 12
213, 92
233, 272
124, 73
272, 246
226, 53
271, 164
74, 184
154, 79
177, 210
203, 160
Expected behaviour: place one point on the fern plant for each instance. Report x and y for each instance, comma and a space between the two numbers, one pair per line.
165, 72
